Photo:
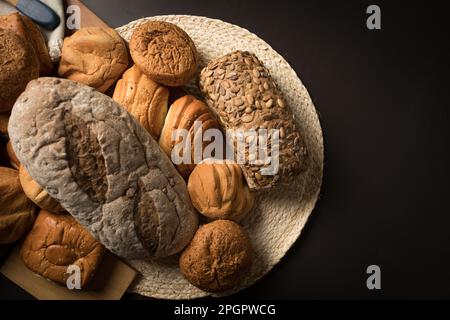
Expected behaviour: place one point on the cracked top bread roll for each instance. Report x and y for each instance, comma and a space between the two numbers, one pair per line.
240, 90
183, 114
103, 167
24, 27
164, 52
57, 242
18, 65
17, 212
146, 100
219, 257
94, 56
37, 194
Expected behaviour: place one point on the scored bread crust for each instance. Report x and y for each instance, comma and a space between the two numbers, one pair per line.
94, 158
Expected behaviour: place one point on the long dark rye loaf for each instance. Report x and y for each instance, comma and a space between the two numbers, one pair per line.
239, 88
103, 167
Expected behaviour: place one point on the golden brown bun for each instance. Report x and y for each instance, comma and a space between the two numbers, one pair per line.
219, 191
15, 163
4, 119
219, 257
94, 56
35, 193
24, 27
164, 52
17, 212
58, 241
146, 100
182, 115
18, 66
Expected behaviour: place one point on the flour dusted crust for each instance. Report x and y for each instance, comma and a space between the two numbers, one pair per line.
164, 52
94, 158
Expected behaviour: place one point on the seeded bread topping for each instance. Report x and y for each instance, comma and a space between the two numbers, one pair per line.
241, 92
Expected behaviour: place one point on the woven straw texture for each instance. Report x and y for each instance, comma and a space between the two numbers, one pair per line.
279, 216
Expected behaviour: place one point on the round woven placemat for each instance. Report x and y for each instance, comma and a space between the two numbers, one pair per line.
279, 216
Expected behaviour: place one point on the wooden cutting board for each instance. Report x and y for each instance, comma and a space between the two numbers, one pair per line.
109, 283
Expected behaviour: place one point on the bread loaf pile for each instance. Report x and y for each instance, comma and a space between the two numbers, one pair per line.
101, 173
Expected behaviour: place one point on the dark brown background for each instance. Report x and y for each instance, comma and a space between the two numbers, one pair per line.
383, 102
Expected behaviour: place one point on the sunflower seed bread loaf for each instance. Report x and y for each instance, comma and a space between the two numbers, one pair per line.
104, 168
239, 88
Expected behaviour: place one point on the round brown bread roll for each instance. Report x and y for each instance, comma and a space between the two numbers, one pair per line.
94, 56
37, 194
219, 257
57, 242
218, 191
164, 52
24, 27
146, 100
183, 114
15, 163
17, 212
18, 65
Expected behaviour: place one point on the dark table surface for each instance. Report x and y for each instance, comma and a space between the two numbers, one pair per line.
382, 97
